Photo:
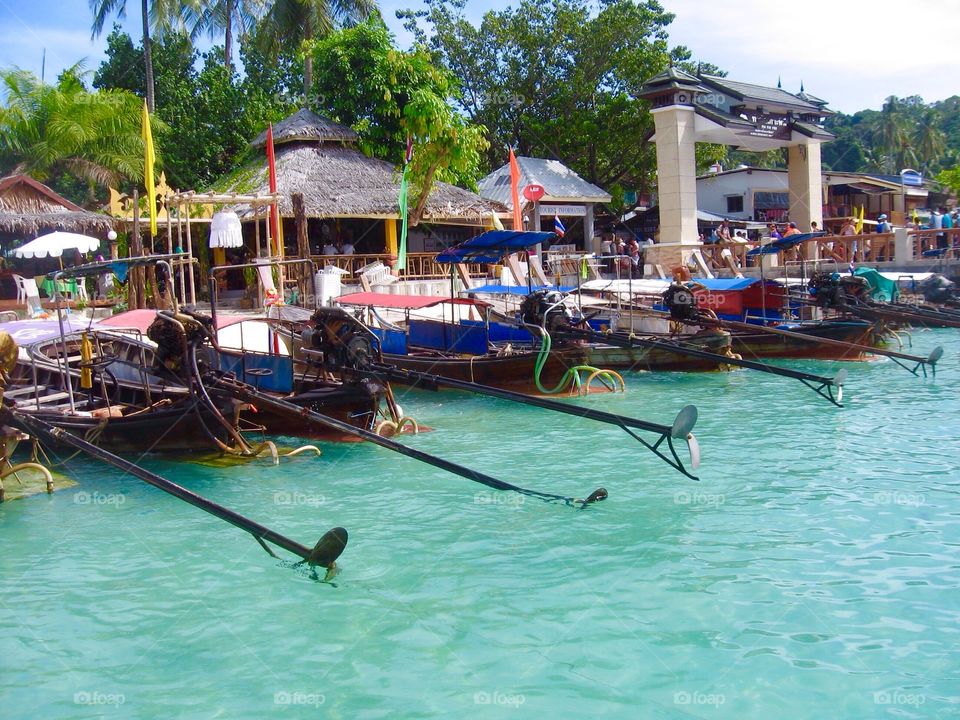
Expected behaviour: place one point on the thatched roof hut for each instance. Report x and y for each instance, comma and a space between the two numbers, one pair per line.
316, 157
28, 208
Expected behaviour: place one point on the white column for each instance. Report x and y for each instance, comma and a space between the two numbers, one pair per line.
676, 183
806, 190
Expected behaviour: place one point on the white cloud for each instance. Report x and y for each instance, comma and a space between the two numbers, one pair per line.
853, 54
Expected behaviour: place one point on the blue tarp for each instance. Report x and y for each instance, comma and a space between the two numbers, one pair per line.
391, 341
439, 335
783, 244
280, 378
492, 245
501, 332
517, 289
726, 283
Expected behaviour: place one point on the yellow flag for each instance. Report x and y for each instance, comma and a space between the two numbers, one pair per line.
148, 160
859, 226
497, 225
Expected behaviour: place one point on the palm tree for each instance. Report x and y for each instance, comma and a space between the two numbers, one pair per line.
214, 16
300, 21
47, 130
929, 139
160, 16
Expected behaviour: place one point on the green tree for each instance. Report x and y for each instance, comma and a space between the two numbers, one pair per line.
951, 179
388, 96
62, 131
224, 16
929, 139
295, 22
558, 79
212, 112
161, 17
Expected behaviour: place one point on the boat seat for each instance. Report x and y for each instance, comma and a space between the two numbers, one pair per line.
50, 398
24, 391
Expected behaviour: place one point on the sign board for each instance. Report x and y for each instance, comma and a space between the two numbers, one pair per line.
563, 210
533, 192
630, 198
768, 125
911, 177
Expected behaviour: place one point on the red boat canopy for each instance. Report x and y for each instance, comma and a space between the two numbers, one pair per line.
403, 302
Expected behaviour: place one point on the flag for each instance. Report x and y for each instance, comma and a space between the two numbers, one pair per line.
497, 225
584, 269
515, 192
149, 158
272, 172
853, 268
915, 218
558, 228
859, 225
401, 263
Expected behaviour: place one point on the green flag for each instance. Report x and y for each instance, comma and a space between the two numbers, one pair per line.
401, 263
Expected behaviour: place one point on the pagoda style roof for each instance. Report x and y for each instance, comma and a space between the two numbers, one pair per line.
763, 96
560, 183
306, 126
671, 79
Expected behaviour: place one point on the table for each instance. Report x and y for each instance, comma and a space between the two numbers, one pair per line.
68, 288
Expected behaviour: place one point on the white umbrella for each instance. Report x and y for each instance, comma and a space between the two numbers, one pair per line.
53, 244
225, 230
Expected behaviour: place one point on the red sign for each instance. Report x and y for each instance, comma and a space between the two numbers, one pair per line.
533, 192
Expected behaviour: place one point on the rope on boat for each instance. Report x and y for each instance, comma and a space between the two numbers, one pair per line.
571, 378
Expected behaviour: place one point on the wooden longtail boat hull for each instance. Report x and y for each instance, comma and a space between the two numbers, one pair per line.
904, 316
171, 429
657, 359
509, 372
760, 344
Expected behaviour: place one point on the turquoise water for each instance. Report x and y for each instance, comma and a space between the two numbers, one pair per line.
811, 573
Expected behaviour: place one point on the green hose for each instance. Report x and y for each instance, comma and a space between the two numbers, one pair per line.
571, 378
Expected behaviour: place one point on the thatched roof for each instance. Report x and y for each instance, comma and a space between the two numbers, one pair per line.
339, 181
306, 126
28, 207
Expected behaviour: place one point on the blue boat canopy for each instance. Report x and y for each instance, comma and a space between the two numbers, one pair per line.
493, 245
729, 284
782, 244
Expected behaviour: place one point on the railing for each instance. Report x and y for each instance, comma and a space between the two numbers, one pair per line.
420, 266
927, 240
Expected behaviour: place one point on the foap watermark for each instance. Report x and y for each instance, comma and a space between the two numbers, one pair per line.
498, 697
299, 498
898, 697
685, 497
95, 697
685, 697
98, 498
898, 497
502, 97
485, 497
296, 697
300, 99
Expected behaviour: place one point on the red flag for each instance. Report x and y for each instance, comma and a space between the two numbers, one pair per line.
272, 170
515, 192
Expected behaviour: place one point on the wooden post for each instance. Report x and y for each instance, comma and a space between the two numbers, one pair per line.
135, 278
189, 249
303, 243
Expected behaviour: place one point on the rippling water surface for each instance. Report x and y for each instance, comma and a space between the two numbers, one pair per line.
813, 571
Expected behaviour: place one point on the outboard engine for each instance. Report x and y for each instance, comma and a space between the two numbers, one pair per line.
939, 290
172, 342
545, 308
344, 341
681, 302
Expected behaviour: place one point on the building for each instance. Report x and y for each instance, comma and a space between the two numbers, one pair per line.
565, 195
346, 195
29, 208
763, 194
689, 109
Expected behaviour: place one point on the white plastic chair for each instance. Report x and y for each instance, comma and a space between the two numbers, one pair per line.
32, 295
21, 295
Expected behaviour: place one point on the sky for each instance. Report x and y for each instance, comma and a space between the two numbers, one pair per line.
852, 53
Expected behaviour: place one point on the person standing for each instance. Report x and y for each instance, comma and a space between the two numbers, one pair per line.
936, 223
723, 232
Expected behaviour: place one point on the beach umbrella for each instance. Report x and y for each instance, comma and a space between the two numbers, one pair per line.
53, 244
225, 231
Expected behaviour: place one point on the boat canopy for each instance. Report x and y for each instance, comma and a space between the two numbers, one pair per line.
402, 302
492, 245
786, 243
30, 332
727, 284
